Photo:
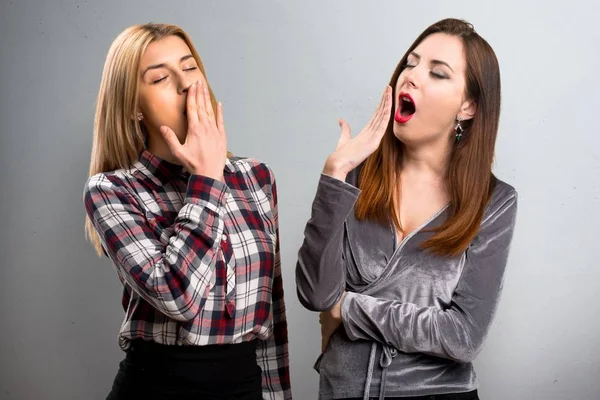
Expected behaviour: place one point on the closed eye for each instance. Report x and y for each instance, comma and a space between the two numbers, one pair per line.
165, 77
437, 75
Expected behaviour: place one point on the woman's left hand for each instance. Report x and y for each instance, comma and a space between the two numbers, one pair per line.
330, 321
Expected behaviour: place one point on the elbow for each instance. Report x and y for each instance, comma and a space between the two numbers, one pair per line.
181, 310
314, 301
461, 337
465, 358
464, 353
315, 292
181, 316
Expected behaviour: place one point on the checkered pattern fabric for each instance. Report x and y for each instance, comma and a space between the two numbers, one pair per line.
198, 258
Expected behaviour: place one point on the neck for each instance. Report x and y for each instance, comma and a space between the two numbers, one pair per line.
158, 146
427, 161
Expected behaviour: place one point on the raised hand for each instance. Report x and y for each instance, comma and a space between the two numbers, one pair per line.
205, 148
350, 152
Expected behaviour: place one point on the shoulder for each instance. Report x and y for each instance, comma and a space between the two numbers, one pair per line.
503, 200
99, 187
256, 175
253, 169
101, 182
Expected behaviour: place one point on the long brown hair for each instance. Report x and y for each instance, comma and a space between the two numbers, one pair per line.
470, 179
118, 136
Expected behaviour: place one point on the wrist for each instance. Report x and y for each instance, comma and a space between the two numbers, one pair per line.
333, 169
209, 173
336, 311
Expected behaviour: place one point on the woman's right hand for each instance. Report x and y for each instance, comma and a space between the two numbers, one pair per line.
205, 148
350, 152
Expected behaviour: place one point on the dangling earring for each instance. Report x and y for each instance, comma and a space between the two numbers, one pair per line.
140, 116
458, 130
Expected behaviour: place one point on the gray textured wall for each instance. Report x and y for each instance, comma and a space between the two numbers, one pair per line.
286, 71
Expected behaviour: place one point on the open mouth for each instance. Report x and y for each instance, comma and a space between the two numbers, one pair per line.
406, 108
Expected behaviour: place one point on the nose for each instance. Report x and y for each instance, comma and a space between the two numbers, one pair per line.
184, 84
409, 76
183, 89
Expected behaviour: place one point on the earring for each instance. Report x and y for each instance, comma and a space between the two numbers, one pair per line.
140, 116
458, 130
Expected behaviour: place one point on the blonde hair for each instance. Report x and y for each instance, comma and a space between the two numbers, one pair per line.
118, 136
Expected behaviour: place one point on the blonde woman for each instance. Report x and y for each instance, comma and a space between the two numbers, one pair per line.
191, 230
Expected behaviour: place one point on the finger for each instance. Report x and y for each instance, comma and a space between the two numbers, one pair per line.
385, 100
172, 140
384, 115
210, 112
387, 111
346, 134
191, 106
200, 106
373, 121
375, 131
377, 118
220, 122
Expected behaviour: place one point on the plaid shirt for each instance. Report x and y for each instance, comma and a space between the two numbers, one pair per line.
198, 258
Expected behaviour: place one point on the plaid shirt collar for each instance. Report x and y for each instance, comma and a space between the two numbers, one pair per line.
165, 170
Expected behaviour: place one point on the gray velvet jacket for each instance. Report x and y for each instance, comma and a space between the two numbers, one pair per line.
412, 321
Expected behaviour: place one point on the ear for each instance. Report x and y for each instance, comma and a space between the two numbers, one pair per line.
138, 116
467, 110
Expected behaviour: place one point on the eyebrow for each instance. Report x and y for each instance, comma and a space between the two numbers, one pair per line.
157, 66
437, 62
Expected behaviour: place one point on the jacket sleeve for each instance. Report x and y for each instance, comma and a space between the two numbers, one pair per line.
458, 332
320, 276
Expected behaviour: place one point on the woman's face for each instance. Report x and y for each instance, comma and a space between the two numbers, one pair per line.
430, 91
167, 69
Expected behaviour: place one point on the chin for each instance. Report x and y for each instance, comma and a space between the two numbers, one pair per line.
401, 131
180, 129
411, 135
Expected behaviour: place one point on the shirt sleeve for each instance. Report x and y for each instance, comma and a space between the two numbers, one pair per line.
173, 277
455, 333
272, 354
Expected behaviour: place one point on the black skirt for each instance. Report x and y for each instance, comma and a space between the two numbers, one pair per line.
155, 371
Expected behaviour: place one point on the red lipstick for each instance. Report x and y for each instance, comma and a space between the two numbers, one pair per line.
406, 108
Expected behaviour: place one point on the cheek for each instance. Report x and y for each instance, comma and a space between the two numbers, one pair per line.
156, 100
159, 105
443, 103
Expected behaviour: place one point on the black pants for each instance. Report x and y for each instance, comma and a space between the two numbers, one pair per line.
152, 371
452, 396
